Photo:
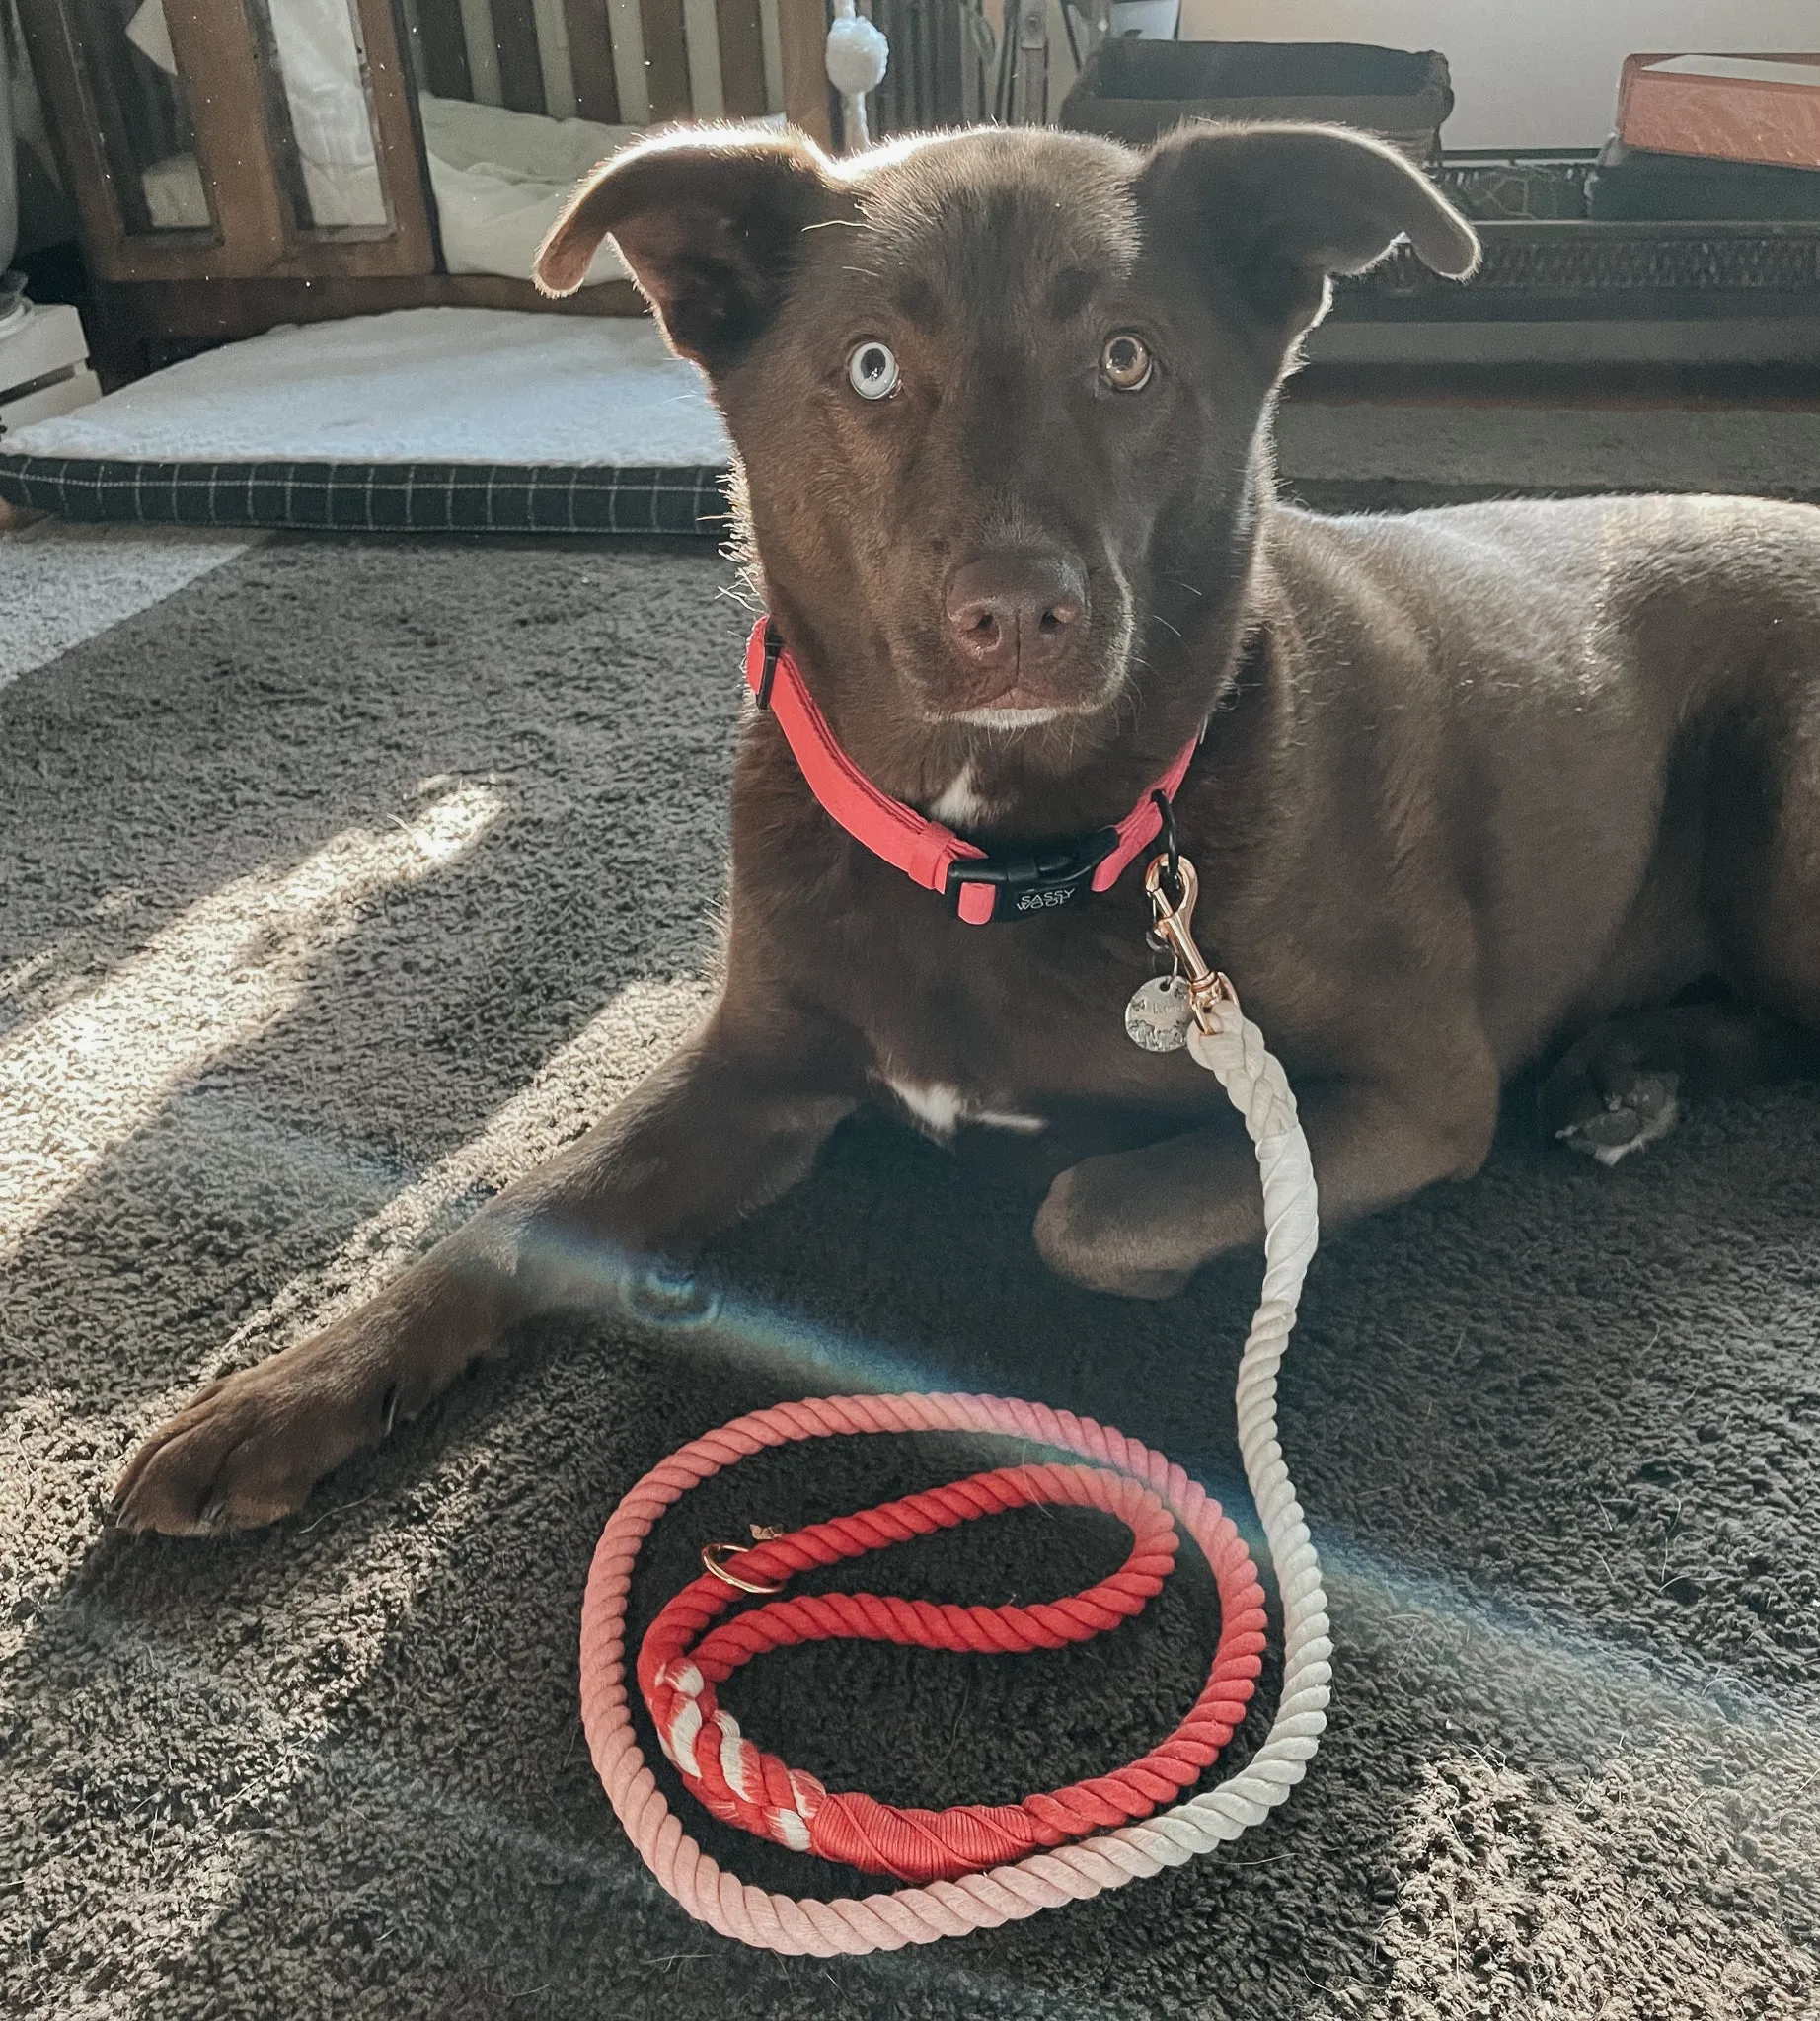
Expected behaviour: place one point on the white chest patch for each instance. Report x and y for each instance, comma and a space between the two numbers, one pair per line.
941, 1110
960, 806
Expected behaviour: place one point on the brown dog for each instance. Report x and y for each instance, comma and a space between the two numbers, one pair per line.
1471, 780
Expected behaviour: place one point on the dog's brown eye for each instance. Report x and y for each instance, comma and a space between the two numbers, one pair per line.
1125, 362
872, 369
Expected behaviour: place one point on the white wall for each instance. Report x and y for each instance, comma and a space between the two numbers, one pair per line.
1527, 73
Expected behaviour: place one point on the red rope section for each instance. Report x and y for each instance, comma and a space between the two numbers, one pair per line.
684, 1657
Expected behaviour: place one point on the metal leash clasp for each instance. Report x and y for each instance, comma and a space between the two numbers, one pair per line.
1208, 987
715, 1555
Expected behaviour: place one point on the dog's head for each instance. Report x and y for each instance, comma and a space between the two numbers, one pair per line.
998, 397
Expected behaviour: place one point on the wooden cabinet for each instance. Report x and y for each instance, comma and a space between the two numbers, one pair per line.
242, 163
179, 123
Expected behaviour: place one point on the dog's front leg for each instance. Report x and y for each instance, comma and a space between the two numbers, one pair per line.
1141, 1223
725, 1126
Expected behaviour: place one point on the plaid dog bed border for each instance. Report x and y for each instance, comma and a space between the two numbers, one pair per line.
423, 497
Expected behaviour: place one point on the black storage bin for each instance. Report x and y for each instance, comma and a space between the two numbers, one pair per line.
1136, 90
1633, 187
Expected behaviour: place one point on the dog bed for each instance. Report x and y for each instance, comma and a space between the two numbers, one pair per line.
479, 420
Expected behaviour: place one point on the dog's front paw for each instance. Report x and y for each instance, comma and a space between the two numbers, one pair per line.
1091, 1230
1608, 1127
249, 1449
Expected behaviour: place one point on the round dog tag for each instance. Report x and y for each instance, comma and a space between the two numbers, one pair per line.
1159, 1015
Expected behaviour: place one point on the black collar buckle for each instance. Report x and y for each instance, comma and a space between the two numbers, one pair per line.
1032, 881
773, 651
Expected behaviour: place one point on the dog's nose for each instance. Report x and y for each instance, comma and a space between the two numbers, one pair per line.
1014, 612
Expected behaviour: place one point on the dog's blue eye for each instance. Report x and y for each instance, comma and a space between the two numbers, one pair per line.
872, 369
1125, 362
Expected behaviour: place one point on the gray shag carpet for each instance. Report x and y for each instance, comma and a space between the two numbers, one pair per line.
342, 880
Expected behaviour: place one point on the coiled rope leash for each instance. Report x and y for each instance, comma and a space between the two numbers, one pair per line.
977, 1866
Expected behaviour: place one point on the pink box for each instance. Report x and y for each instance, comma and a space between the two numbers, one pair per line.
1737, 109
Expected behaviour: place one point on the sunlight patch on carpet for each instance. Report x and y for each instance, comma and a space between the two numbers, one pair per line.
639, 1028
77, 1082
1612, 1904
68, 583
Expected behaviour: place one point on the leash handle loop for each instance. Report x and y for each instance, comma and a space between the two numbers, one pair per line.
688, 1651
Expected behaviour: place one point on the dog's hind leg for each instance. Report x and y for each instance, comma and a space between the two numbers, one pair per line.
1141, 1223
721, 1128
1627, 1082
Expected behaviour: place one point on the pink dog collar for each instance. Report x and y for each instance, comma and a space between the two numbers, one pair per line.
982, 886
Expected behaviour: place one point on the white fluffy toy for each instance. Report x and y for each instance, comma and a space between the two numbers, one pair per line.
857, 55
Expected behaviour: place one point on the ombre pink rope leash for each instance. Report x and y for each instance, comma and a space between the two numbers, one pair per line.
678, 1673
977, 1866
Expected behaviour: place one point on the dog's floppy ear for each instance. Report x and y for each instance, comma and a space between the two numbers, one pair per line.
1279, 209
710, 222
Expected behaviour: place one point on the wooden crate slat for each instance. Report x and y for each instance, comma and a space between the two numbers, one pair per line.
627, 27
702, 47
514, 38
552, 58
774, 54
666, 59
56, 50
445, 49
224, 86
591, 58
742, 59
412, 247
803, 33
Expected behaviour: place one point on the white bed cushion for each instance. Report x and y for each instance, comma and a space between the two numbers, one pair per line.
442, 385
500, 178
